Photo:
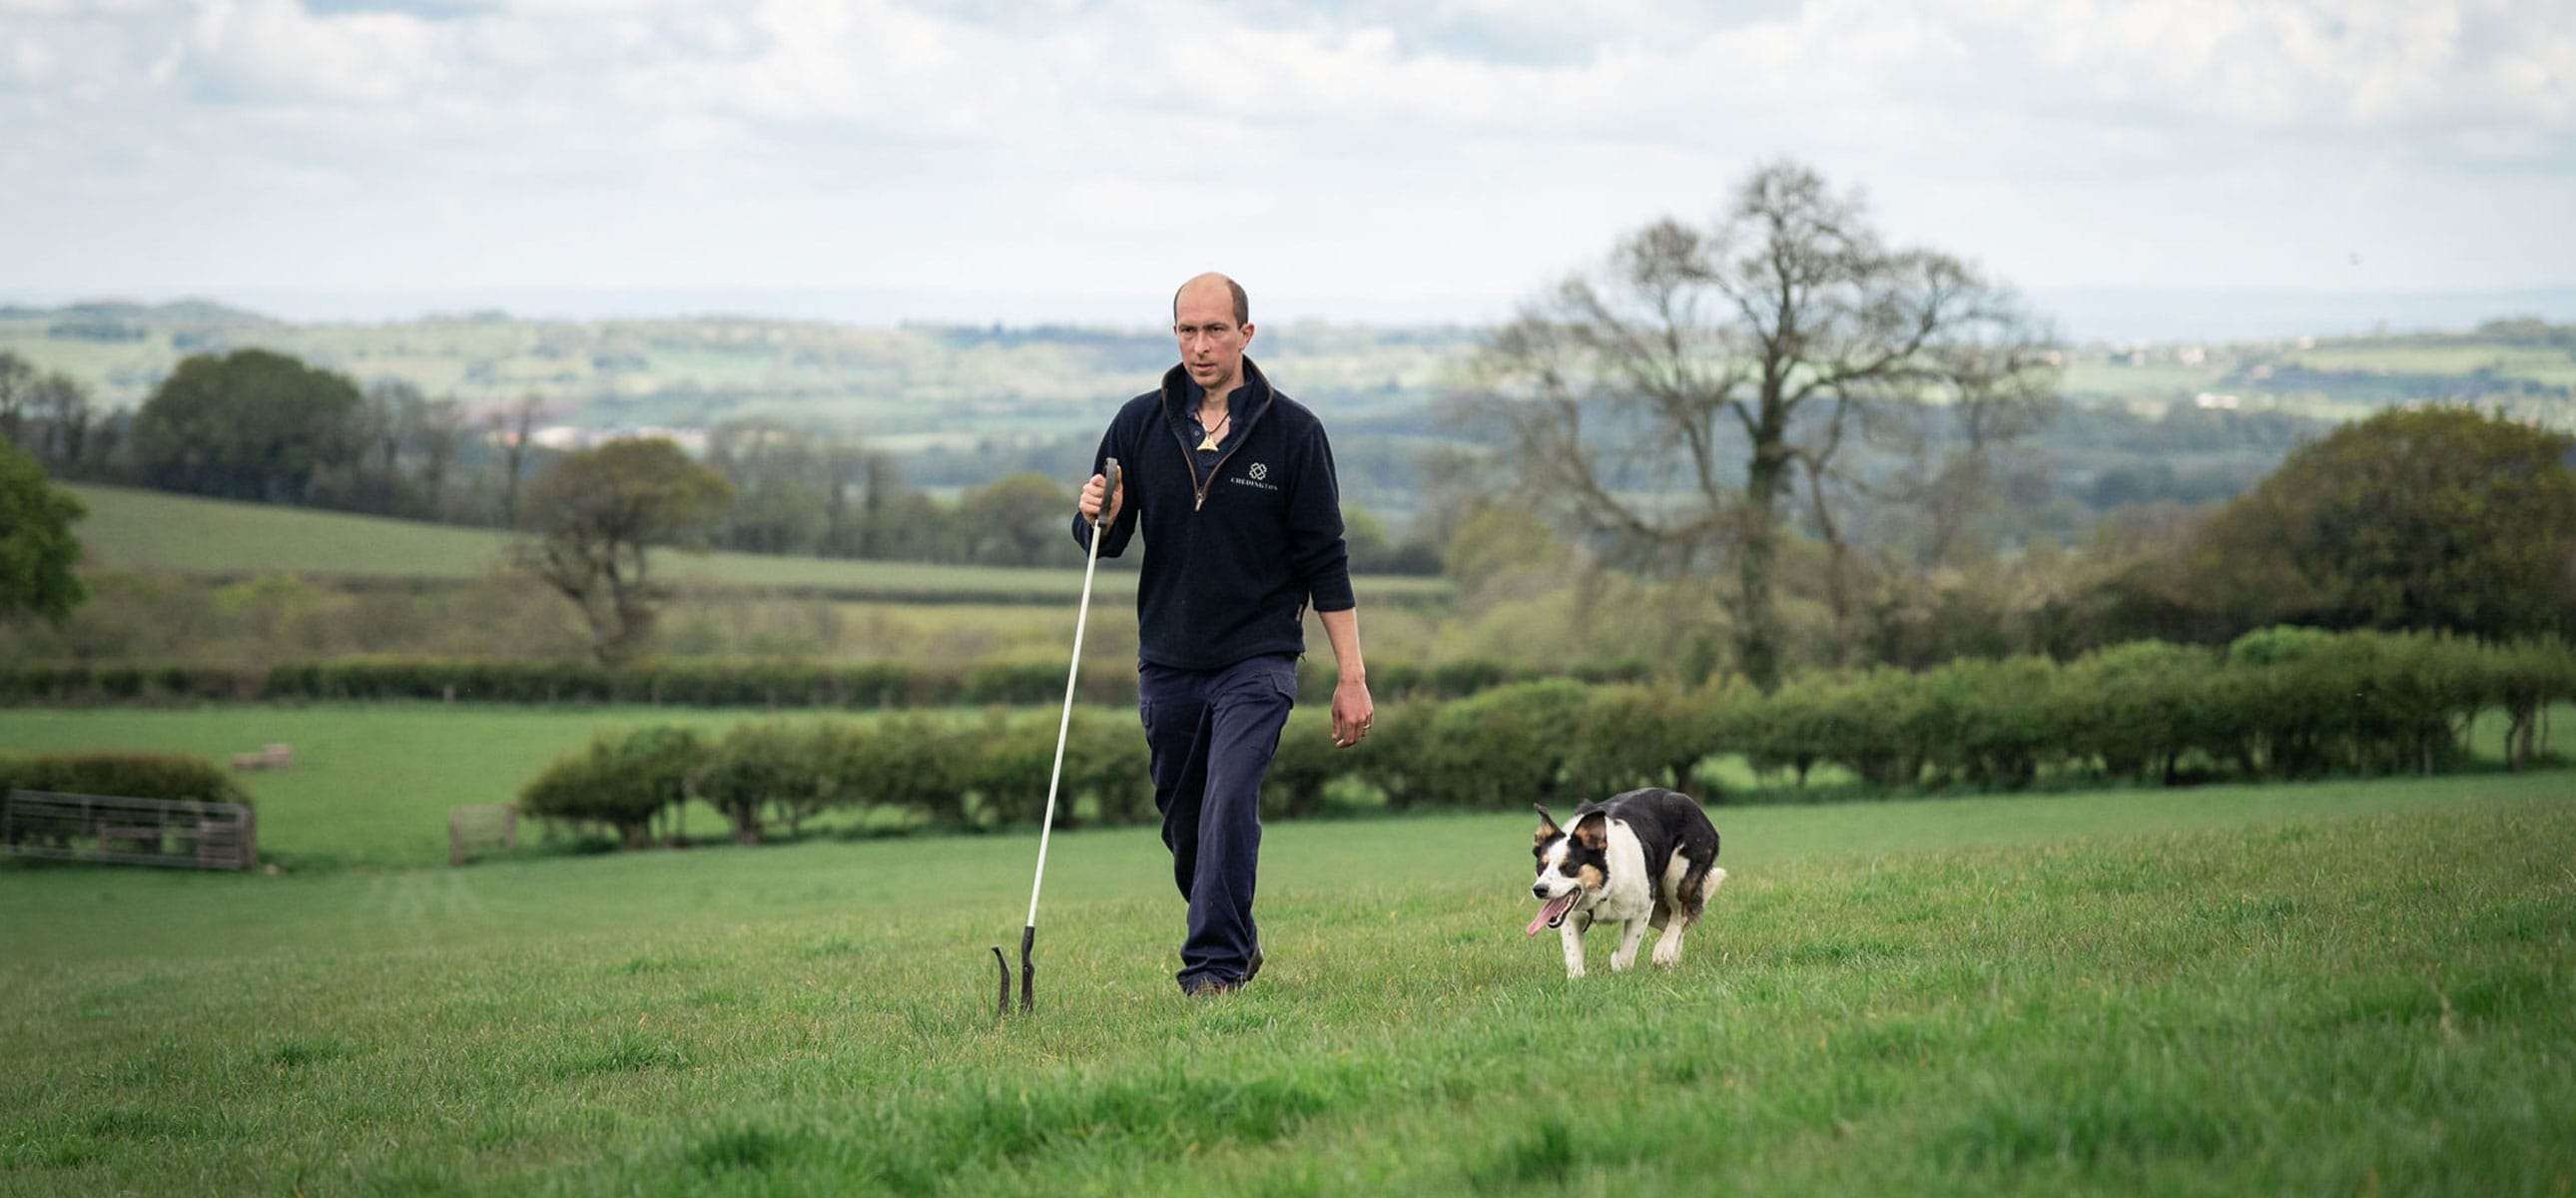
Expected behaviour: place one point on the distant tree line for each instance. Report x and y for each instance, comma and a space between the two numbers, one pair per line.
264, 427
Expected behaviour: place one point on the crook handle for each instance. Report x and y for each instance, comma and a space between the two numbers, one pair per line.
1028, 972
1110, 478
1002, 1004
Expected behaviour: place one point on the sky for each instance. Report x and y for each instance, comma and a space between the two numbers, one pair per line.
1365, 160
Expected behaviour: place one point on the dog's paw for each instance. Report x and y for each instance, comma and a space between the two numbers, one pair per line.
1668, 954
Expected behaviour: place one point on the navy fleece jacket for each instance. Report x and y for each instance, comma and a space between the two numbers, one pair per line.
1233, 557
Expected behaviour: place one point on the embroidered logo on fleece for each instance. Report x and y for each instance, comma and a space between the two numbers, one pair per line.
1256, 476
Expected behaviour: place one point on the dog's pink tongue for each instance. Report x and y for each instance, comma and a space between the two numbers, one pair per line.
1555, 907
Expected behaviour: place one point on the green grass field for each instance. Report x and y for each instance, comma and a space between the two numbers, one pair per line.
2347, 988
148, 530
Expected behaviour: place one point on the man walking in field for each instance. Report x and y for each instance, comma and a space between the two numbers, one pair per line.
1233, 484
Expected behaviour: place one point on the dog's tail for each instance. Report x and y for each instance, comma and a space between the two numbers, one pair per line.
1716, 875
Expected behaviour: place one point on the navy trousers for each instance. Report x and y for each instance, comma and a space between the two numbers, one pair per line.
1212, 734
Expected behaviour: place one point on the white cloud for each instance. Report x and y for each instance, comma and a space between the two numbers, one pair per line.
1475, 144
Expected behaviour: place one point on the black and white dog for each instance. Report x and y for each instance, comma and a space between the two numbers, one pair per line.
1646, 858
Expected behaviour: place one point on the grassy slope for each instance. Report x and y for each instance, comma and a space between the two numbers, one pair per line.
2311, 989
137, 529
151, 530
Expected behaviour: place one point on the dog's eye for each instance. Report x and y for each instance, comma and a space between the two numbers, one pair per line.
1570, 869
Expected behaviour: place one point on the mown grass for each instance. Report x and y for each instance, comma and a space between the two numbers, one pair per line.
2354, 987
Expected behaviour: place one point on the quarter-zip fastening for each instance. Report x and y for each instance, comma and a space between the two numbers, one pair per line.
1198, 486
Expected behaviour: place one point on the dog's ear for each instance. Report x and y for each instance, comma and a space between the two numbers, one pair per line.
1593, 831
1547, 829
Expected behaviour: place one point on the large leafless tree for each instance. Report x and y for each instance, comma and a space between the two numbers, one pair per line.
593, 517
1669, 403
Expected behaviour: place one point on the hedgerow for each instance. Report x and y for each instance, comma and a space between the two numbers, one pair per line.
2281, 704
122, 775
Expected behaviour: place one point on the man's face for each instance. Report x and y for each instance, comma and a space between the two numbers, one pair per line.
1211, 343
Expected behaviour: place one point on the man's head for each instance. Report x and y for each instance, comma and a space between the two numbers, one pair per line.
1212, 320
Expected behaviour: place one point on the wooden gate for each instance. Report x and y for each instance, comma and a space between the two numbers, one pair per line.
120, 831
474, 831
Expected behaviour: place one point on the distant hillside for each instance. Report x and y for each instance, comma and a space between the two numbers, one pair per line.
959, 406
906, 386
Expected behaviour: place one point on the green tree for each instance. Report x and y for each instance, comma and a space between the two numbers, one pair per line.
594, 514
2424, 518
1668, 405
1017, 520
249, 425
781, 489
37, 548
18, 379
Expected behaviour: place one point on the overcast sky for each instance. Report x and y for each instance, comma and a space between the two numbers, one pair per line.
1360, 160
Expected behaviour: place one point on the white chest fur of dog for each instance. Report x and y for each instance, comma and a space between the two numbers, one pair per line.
1645, 859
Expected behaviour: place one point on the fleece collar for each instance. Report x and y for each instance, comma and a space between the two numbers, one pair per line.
1181, 393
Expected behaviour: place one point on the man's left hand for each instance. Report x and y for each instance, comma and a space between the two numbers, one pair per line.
1353, 713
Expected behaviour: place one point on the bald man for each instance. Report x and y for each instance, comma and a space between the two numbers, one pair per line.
1233, 483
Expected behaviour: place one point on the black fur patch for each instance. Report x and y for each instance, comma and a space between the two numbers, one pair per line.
1666, 822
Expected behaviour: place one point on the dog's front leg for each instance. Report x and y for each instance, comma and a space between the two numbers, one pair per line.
1630, 934
1573, 948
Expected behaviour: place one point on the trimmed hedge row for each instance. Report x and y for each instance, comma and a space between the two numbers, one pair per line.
123, 775
2283, 703
683, 683
953, 773
2280, 703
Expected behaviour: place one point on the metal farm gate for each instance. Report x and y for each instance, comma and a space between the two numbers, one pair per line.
68, 827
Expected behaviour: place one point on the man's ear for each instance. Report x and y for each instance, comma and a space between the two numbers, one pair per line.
1593, 831
1547, 829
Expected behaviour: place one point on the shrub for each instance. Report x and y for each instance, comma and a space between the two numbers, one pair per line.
1006, 770
1647, 735
2524, 678
1504, 748
759, 765
1307, 761
910, 761
2135, 709
622, 782
1106, 761
1390, 756
123, 775
1990, 723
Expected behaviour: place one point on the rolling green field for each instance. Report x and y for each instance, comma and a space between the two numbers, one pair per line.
2346, 988
149, 530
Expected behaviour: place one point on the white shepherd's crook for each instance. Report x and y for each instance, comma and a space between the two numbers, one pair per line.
1055, 777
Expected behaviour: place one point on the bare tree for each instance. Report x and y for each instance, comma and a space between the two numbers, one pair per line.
1667, 404
61, 407
512, 428
597, 512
